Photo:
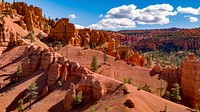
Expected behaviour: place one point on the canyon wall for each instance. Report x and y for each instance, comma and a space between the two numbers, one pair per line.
61, 69
31, 17
190, 80
179, 43
8, 38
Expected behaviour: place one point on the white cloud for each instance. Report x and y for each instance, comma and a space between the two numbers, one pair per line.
124, 11
101, 15
189, 10
155, 14
113, 23
193, 19
72, 16
79, 26
126, 16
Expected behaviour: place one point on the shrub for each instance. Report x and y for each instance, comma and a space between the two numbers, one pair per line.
94, 64
105, 57
127, 80
77, 99
92, 110
167, 95
19, 71
196, 108
59, 83
146, 87
176, 92
32, 93
40, 36
20, 107
31, 37
106, 108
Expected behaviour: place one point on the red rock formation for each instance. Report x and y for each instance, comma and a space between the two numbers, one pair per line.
46, 59
63, 30
8, 37
68, 100
38, 11
21, 7
28, 19
190, 80
54, 74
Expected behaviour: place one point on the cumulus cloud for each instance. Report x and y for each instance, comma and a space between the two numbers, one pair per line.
127, 16
189, 10
113, 23
101, 15
193, 19
124, 11
79, 26
72, 16
155, 14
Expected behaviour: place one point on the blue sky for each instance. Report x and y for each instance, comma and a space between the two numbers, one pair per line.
124, 14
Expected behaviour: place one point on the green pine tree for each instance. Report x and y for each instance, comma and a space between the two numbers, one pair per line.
31, 36
176, 92
167, 95
20, 107
77, 99
32, 92
105, 57
19, 71
94, 64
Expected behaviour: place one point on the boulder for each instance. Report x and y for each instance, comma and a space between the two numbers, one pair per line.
68, 100
54, 74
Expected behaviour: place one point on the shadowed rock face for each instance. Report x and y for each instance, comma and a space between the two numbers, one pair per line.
174, 44
8, 38
60, 69
190, 80
32, 17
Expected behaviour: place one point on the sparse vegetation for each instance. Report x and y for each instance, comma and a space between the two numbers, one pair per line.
19, 71
165, 108
105, 57
127, 80
93, 45
148, 58
32, 92
59, 83
92, 110
146, 87
167, 95
196, 108
40, 36
94, 64
58, 45
56, 19
161, 88
77, 99
20, 107
176, 93
106, 108
31, 37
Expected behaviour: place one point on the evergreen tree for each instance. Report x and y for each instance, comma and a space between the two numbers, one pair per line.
176, 92
105, 57
20, 107
106, 108
146, 88
31, 36
56, 19
77, 99
167, 95
127, 80
32, 93
19, 71
94, 64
